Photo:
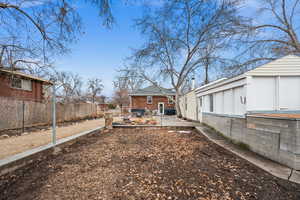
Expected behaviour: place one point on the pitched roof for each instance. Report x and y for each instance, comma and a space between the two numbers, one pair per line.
152, 90
285, 66
25, 75
288, 65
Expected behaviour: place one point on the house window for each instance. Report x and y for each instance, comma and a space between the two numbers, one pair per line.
26, 85
21, 84
16, 83
200, 101
171, 99
211, 103
149, 99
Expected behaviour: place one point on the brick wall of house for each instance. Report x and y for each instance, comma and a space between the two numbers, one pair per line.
7, 91
140, 102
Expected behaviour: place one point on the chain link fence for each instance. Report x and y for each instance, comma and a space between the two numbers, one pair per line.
26, 123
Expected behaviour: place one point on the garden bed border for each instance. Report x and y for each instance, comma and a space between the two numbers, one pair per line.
17, 161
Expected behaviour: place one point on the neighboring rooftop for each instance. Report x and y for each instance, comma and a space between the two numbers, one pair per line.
25, 75
152, 90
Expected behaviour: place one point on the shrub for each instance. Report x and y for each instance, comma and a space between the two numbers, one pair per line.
112, 106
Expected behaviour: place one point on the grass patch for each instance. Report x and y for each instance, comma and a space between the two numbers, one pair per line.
242, 145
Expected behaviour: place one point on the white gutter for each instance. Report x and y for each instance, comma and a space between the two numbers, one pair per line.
219, 83
209, 84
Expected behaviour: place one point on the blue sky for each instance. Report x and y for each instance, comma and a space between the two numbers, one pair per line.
100, 51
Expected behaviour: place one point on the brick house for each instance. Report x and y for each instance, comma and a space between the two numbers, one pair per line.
22, 86
153, 98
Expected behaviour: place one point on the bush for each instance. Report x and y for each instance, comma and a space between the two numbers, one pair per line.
112, 106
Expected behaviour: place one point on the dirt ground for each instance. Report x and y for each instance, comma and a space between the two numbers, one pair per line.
17, 144
131, 164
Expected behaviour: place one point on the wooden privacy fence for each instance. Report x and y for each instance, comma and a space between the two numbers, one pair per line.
15, 114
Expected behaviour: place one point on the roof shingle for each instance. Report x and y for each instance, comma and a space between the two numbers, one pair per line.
152, 90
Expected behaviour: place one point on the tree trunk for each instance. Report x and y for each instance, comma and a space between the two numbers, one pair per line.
206, 71
177, 105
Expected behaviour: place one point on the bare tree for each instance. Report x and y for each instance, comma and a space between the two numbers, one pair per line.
102, 99
121, 97
128, 80
95, 88
33, 32
69, 85
178, 33
272, 33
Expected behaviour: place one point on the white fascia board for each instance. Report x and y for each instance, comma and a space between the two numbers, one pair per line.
274, 73
237, 81
210, 84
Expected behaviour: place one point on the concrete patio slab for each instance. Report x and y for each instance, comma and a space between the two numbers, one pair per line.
174, 121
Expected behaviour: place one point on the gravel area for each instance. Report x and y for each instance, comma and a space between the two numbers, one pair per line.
145, 164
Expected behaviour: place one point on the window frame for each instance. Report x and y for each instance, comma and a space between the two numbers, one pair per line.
15, 86
171, 99
22, 83
211, 103
147, 99
201, 102
29, 84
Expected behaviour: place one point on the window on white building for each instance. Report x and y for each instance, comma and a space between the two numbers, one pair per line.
149, 99
211, 103
200, 101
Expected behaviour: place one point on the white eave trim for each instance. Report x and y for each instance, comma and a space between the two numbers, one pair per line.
219, 84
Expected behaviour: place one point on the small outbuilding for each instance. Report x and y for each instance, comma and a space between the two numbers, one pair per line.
273, 87
259, 108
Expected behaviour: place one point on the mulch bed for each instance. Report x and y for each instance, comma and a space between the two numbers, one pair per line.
145, 164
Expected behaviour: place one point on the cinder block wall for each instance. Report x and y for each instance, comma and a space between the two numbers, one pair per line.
276, 139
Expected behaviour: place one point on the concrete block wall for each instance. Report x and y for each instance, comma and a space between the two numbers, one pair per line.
273, 138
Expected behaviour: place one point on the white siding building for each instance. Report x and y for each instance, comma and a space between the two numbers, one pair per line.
272, 87
189, 106
234, 108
